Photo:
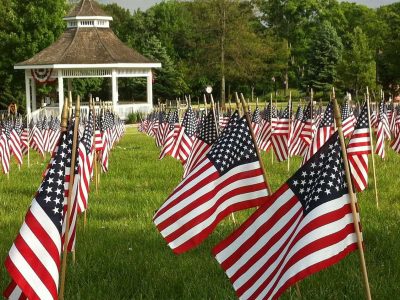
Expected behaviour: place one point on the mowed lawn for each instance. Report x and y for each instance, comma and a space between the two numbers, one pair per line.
121, 255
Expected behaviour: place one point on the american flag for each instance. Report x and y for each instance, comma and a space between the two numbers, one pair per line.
24, 138
36, 138
34, 259
304, 227
228, 179
224, 120
203, 142
185, 137
54, 133
383, 131
308, 126
171, 134
295, 130
161, 131
255, 122
264, 138
397, 120
161, 119
106, 141
15, 142
5, 152
323, 133
358, 149
74, 203
45, 134
348, 119
396, 141
86, 153
280, 135
98, 136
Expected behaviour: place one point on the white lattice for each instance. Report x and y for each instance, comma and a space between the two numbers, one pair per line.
77, 73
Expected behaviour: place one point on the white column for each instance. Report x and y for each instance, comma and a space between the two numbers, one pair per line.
60, 91
114, 81
33, 85
150, 89
28, 95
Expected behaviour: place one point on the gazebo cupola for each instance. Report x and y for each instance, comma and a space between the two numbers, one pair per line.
87, 48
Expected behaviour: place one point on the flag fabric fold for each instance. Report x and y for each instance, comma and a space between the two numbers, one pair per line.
358, 149
227, 179
304, 227
34, 259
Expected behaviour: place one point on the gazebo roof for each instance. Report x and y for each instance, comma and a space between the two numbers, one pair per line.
86, 8
87, 43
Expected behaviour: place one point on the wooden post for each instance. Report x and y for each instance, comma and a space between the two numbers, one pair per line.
290, 121
215, 117
70, 189
352, 197
246, 112
372, 151
205, 103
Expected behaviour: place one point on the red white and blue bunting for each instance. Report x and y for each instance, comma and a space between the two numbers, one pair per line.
42, 75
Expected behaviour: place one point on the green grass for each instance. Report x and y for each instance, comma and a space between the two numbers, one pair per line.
121, 255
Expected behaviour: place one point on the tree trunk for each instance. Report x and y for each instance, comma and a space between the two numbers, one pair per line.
223, 34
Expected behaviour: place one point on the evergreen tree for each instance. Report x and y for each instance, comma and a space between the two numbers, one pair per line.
323, 57
357, 68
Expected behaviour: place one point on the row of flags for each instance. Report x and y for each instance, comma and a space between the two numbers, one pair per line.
285, 133
17, 137
304, 227
33, 262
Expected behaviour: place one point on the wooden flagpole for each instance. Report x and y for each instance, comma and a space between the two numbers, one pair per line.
205, 103
259, 157
214, 113
352, 195
96, 170
246, 112
372, 150
289, 136
70, 188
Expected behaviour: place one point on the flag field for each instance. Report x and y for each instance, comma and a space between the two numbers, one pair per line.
121, 255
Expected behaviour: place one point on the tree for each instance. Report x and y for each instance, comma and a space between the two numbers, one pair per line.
227, 45
323, 57
388, 54
21, 37
169, 82
357, 68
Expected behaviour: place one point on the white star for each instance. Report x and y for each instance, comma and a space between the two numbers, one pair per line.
55, 210
327, 191
48, 190
47, 199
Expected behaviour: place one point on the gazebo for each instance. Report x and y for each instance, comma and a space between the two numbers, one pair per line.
87, 48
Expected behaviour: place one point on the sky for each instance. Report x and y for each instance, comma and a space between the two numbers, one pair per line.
145, 4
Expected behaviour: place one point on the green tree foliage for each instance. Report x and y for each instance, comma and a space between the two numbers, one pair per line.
325, 53
227, 44
238, 44
357, 68
389, 53
26, 27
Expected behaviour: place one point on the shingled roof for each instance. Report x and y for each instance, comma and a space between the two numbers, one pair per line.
87, 45
86, 8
